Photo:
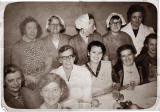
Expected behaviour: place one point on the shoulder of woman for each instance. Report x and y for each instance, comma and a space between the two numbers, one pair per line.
66, 35
81, 69
75, 36
125, 35
106, 37
56, 70
106, 62
126, 27
44, 38
149, 28
97, 34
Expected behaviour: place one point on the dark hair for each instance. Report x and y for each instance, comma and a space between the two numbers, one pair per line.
90, 16
11, 68
122, 48
125, 47
62, 26
65, 48
98, 44
115, 17
52, 77
23, 24
150, 36
135, 8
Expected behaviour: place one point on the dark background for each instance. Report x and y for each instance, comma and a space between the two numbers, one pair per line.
69, 11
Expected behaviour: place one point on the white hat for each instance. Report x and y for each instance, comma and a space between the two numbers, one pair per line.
82, 21
115, 14
61, 20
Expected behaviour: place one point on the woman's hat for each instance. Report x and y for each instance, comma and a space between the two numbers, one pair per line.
115, 14
61, 21
82, 21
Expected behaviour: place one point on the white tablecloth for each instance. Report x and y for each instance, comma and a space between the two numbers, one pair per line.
143, 95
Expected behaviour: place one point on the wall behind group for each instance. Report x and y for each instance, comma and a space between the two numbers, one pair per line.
16, 12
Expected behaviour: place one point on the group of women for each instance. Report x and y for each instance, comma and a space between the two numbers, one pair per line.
87, 64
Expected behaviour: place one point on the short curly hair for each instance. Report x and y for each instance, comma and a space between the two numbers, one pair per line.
125, 47
135, 8
23, 24
11, 68
52, 77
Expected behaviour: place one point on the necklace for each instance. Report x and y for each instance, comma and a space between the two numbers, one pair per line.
97, 71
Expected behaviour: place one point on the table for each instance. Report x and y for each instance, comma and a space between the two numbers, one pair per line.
143, 95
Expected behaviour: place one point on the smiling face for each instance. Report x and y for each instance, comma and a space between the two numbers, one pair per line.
136, 19
54, 25
67, 59
95, 54
13, 81
31, 30
115, 25
152, 47
127, 57
51, 93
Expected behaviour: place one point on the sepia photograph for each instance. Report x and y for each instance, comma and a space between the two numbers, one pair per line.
79, 55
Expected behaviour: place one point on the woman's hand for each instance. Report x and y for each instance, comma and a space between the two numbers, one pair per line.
130, 86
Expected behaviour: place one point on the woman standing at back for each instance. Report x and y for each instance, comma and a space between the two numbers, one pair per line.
55, 39
135, 28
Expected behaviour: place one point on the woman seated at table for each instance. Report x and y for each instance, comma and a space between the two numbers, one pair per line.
100, 70
126, 72
148, 58
77, 78
13, 81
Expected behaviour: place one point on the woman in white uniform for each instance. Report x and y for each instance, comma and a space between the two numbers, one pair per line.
77, 78
135, 28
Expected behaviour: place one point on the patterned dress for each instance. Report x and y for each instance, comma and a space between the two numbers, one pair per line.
29, 56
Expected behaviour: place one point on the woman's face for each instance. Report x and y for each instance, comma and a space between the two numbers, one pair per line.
115, 25
67, 59
152, 46
31, 30
95, 54
13, 81
136, 19
91, 28
55, 26
127, 57
51, 93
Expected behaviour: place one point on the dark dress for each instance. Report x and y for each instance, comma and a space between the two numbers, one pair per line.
118, 73
150, 66
14, 101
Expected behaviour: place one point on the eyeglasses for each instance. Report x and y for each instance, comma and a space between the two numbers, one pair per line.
54, 24
115, 23
67, 57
